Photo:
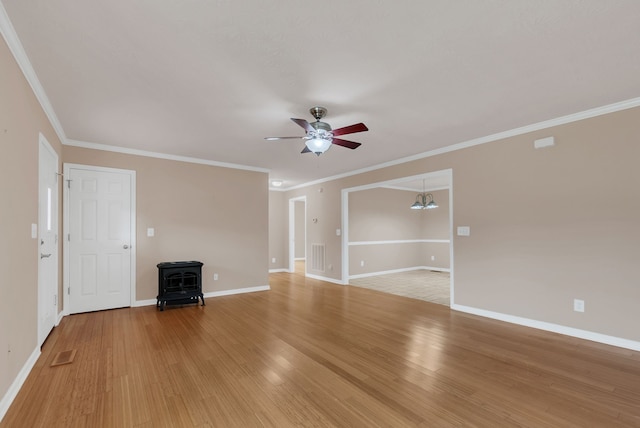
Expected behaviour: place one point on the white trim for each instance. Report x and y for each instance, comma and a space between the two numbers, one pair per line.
400, 241
345, 214
324, 278
237, 291
66, 228
563, 120
17, 383
409, 269
278, 270
555, 328
16, 48
451, 270
147, 302
42, 141
406, 189
154, 302
136, 152
292, 230
299, 258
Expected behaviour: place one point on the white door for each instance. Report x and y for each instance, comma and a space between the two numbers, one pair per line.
100, 238
47, 239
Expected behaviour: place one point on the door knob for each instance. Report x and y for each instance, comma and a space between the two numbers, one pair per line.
125, 246
44, 256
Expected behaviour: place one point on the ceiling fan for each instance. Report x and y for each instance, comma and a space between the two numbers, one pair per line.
319, 136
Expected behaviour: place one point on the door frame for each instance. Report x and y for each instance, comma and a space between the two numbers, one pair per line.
66, 228
345, 220
43, 143
292, 232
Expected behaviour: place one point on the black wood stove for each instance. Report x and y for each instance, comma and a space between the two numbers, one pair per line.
179, 283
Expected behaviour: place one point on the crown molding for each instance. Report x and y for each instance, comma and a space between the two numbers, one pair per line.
136, 152
16, 48
598, 111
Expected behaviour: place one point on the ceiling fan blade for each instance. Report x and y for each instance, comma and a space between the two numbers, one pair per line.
280, 138
305, 150
352, 129
303, 123
345, 143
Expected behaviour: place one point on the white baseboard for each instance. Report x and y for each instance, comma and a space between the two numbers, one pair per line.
13, 390
300, 258
278, 270
555, 328
237, 291
385, 272
148, 302
324, 278
153, 302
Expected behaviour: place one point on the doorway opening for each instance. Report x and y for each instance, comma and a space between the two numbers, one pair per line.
297, 235
388, 247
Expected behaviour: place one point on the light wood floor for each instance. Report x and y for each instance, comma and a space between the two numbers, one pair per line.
312, 354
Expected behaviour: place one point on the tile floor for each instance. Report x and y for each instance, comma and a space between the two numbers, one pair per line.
417, 284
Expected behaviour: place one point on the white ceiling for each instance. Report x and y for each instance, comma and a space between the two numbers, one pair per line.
210, 79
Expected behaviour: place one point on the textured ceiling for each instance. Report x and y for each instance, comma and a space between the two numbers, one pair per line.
210, 79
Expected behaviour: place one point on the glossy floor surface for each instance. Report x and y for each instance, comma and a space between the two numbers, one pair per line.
315, 354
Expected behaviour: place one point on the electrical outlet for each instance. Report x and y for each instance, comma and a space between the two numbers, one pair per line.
578, 305
215, 276
361, 263
433, 258
273, 260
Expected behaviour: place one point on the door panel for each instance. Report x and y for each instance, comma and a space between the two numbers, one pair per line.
100, 239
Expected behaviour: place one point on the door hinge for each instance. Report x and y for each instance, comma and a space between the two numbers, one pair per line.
69, 290
68, 184
69, 237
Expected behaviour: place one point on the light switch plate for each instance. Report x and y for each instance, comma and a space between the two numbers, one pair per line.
151, 232
34, 230
464, 231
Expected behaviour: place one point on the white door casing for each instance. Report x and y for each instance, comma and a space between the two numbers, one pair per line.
47, 239
292, 231
100, 232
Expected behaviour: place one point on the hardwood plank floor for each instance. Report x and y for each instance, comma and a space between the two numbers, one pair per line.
315, 354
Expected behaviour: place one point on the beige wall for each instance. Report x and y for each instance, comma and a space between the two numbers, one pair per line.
277, 230
21, 122
547, 225
198, 213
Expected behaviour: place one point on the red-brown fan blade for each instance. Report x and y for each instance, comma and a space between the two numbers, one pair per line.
303, 123
305, 150
345, 143
352, 129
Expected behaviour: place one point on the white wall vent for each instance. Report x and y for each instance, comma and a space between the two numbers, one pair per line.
317, 257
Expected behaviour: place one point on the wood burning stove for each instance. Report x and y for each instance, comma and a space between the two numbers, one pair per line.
179, 283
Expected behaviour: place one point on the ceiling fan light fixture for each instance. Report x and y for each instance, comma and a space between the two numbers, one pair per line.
318, 145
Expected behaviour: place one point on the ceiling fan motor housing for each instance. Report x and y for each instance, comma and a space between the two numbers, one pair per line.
321, 125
